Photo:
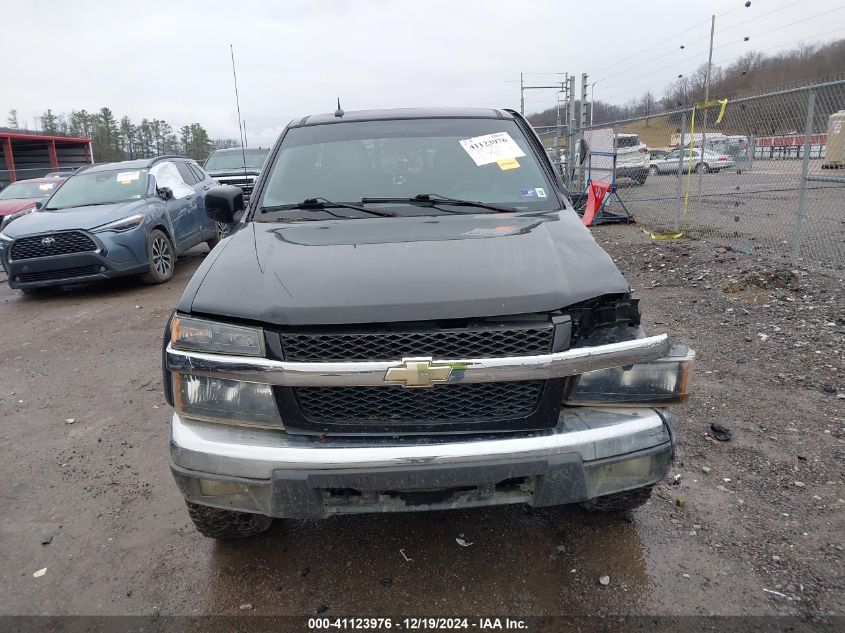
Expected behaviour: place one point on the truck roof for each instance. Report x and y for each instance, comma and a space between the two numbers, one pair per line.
237, 150
402, 113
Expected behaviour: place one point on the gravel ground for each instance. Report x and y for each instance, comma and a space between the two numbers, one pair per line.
84, 459
769, 366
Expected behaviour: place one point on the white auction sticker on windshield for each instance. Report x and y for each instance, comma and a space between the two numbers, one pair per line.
125, 177
491, 148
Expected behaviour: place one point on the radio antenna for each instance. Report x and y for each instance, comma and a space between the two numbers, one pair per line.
238, 104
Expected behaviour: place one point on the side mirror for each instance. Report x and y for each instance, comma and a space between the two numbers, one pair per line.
223, 202
166, 193
39, 205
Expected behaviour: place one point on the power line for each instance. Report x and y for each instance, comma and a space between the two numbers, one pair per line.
733, 26
784, 26
776, 46
729, 60
686, 45
652, 46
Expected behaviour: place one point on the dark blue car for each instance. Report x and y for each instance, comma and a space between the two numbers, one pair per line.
127, 218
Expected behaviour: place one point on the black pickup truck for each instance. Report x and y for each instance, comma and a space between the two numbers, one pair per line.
237, 167
411, 316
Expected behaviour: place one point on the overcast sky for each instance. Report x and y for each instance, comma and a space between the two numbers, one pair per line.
170, 59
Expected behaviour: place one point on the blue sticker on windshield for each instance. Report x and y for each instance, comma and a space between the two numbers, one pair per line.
533, 192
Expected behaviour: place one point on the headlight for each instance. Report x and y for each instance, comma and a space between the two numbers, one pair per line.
14, 216
223, 400
199, 335
124, 224
656, 383
4, 237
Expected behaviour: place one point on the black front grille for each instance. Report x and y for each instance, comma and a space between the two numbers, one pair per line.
52, 244
447, 343
245, 184
65, 273
483, 402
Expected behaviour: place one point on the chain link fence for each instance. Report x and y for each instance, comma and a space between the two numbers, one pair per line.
762, 175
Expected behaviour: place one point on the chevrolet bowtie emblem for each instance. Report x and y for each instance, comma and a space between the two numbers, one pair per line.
418, 372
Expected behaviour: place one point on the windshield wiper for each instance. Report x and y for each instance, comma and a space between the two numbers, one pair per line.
321, 204
430, 199
76, 206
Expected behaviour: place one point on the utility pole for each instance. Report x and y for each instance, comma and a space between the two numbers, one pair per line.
709, 59
706, 99
571, 125
523, 88
584, 76
521, 95
561, 87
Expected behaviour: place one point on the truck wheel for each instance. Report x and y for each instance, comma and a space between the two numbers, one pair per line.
161, 258
640, 180
619, 502
225, 524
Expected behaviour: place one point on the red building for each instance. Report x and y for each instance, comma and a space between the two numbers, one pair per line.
31, 155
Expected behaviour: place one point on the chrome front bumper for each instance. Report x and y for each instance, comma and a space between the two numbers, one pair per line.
592, 452
358, 374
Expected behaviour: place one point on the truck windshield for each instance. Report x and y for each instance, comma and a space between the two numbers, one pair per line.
22, 190
100, 187
483, 160
219, 161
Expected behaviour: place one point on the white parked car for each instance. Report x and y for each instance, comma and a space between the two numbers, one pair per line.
632, 158
702, 162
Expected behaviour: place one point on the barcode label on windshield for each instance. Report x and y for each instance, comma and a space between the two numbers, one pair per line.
491, 148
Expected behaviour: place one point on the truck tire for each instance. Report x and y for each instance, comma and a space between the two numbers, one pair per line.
619, 502
161, 258
226, 524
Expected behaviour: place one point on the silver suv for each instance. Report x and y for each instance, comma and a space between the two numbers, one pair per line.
632, 158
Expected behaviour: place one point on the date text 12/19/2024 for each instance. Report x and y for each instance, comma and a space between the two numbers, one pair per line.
416, 624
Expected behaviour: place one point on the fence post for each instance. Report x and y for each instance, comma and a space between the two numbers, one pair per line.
805, 169
680, 187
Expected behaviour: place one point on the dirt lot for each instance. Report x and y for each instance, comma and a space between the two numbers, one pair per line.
85, 464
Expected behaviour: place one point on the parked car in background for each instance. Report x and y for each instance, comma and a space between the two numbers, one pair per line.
236, 166
21, 197
701, 162
631, 158
108, 220
60, 174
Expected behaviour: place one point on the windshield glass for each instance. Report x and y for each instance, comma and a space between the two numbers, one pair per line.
20, 190
100, 187
483, 160
234, 160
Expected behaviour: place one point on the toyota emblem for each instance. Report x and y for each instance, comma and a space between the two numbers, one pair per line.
48, 241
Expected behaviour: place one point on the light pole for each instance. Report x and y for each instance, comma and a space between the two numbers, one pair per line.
592, 100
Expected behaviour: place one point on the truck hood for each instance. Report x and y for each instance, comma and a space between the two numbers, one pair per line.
8, 207
77, 218
402, 269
